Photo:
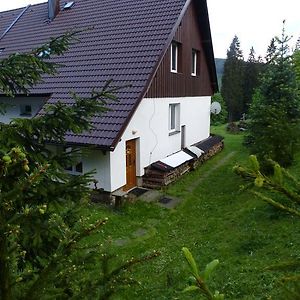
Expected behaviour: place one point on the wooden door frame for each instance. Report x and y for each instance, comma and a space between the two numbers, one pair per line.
131, 180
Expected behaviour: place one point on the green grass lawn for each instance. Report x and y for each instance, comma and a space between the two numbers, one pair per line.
214, 220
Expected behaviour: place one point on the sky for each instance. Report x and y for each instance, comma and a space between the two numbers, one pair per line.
255, 22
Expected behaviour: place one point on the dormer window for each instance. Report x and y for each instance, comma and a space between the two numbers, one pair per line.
174, 57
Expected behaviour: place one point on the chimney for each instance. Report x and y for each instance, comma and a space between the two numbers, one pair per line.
53, 9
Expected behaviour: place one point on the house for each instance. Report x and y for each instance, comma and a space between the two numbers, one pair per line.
163, 49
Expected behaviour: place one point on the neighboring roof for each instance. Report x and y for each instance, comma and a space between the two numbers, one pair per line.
125, 41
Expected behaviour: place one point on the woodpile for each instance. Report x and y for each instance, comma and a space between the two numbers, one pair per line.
154, 178
159, 174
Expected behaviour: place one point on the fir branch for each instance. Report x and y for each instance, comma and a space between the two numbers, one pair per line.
277, 204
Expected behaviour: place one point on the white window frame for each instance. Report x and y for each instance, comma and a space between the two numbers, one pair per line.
174, 117
174, 45
194, 62
72, 169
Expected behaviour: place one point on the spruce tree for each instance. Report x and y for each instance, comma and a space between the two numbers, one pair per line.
296, 60
232, 81
43, 250
275, 111
252, 70
271, 51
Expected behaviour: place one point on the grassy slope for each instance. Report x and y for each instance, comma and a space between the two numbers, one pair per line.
214, 220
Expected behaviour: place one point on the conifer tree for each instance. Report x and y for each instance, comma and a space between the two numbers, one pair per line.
271, 51
275, 111
232, 81
251, 78
42, 252
296, 60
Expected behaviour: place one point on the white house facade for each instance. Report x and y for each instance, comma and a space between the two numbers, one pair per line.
150, 130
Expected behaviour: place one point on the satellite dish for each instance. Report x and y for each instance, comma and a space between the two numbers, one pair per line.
215, 108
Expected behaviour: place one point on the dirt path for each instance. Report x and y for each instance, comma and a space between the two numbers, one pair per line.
193, 186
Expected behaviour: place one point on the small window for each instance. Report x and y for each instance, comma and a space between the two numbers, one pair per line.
174, 57
194, 63
68, 5
1, 50
174, 121
25, 110
77, 168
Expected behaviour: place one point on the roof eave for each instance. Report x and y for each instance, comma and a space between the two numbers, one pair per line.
204, 24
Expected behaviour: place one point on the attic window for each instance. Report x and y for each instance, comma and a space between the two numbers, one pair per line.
176, 65
196, 60
174, 57
194, 63
68, 5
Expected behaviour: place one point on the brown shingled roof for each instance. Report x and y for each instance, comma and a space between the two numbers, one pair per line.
125, 41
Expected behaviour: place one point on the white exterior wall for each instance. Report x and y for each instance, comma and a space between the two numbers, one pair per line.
150, 126
96, 161
99, 162
13, 111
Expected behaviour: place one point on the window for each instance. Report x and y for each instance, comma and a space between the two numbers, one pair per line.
25, 110
77, 168
174, 57
1, 50
194, 63
68, 5
174, 117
